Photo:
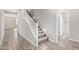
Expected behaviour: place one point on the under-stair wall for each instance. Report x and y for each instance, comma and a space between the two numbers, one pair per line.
27, 28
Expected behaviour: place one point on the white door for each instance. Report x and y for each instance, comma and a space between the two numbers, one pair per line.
59, 26
62, 24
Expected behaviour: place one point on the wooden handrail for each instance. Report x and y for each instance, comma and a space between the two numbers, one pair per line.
31, 16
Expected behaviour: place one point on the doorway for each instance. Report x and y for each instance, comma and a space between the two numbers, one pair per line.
62, 24
10, 22
59, 26
10, 31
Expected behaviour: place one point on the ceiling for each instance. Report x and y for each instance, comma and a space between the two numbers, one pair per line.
11, 12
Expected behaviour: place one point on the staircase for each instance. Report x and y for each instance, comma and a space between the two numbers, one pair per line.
41, 35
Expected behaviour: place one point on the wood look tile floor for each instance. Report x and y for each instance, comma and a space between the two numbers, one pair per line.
13, 41
64, 44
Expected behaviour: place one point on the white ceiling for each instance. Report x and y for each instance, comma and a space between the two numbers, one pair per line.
11, 12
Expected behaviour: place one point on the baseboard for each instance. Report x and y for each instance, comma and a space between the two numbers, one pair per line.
27, 39
53, 41
73, 40
68, 39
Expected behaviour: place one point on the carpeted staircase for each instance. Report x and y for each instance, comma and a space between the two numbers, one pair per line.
41, 35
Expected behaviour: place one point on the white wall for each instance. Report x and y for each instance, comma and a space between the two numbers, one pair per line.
66, 18
74, 24
24, 28
47, 20
1, 26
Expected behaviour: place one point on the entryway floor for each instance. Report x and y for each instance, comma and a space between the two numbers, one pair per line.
63, 44
13, 41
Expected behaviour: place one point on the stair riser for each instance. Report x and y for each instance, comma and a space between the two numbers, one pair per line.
40, 32
40, 41
42, 36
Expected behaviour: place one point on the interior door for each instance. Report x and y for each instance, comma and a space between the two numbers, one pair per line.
62, 24
59, 26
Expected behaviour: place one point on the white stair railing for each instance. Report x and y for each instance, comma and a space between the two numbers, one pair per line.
27, 27
32, 25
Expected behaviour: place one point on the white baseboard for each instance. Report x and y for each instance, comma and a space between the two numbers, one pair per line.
68, 39
74, 40
53, 41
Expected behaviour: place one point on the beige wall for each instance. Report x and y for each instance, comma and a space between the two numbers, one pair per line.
10, 22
